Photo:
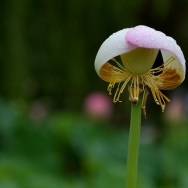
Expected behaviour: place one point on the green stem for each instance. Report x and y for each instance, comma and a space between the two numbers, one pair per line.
133, 145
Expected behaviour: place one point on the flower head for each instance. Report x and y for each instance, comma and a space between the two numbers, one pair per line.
127, 58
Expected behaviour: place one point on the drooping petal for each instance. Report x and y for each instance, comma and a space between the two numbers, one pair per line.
113, 46
145, 37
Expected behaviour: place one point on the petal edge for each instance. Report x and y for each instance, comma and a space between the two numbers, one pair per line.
113, 46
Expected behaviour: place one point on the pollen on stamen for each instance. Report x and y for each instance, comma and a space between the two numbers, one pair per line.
166, 76
158, 96
115, 75
169, 79
109, 89
116, 99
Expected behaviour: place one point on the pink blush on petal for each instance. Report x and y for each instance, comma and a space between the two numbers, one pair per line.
143, 36
146, 37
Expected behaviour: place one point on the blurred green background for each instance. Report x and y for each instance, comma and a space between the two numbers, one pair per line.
48, 136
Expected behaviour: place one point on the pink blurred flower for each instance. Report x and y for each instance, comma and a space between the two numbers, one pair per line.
98, 106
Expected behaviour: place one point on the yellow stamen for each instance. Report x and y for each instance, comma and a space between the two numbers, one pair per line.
144, 99
116, 99
169, 78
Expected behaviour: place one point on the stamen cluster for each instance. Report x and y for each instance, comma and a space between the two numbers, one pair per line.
140, 83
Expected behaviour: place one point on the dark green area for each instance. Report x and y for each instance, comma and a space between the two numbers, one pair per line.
48, 47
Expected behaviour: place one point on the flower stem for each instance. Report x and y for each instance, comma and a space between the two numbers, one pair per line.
133, 145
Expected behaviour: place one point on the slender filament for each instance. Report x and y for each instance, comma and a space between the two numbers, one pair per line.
167, 78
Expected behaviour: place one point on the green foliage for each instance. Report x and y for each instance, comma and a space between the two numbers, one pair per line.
71, 150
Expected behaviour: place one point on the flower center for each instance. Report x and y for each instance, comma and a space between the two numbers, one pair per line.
167, 79
140, 60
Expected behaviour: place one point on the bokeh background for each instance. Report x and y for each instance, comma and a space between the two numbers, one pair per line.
58, 126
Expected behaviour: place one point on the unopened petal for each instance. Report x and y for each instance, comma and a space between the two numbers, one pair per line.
113, 46
145, 37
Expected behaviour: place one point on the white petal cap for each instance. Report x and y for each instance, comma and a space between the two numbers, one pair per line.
113, 46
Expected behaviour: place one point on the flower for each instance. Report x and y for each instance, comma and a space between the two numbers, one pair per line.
127, 58
98, 106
